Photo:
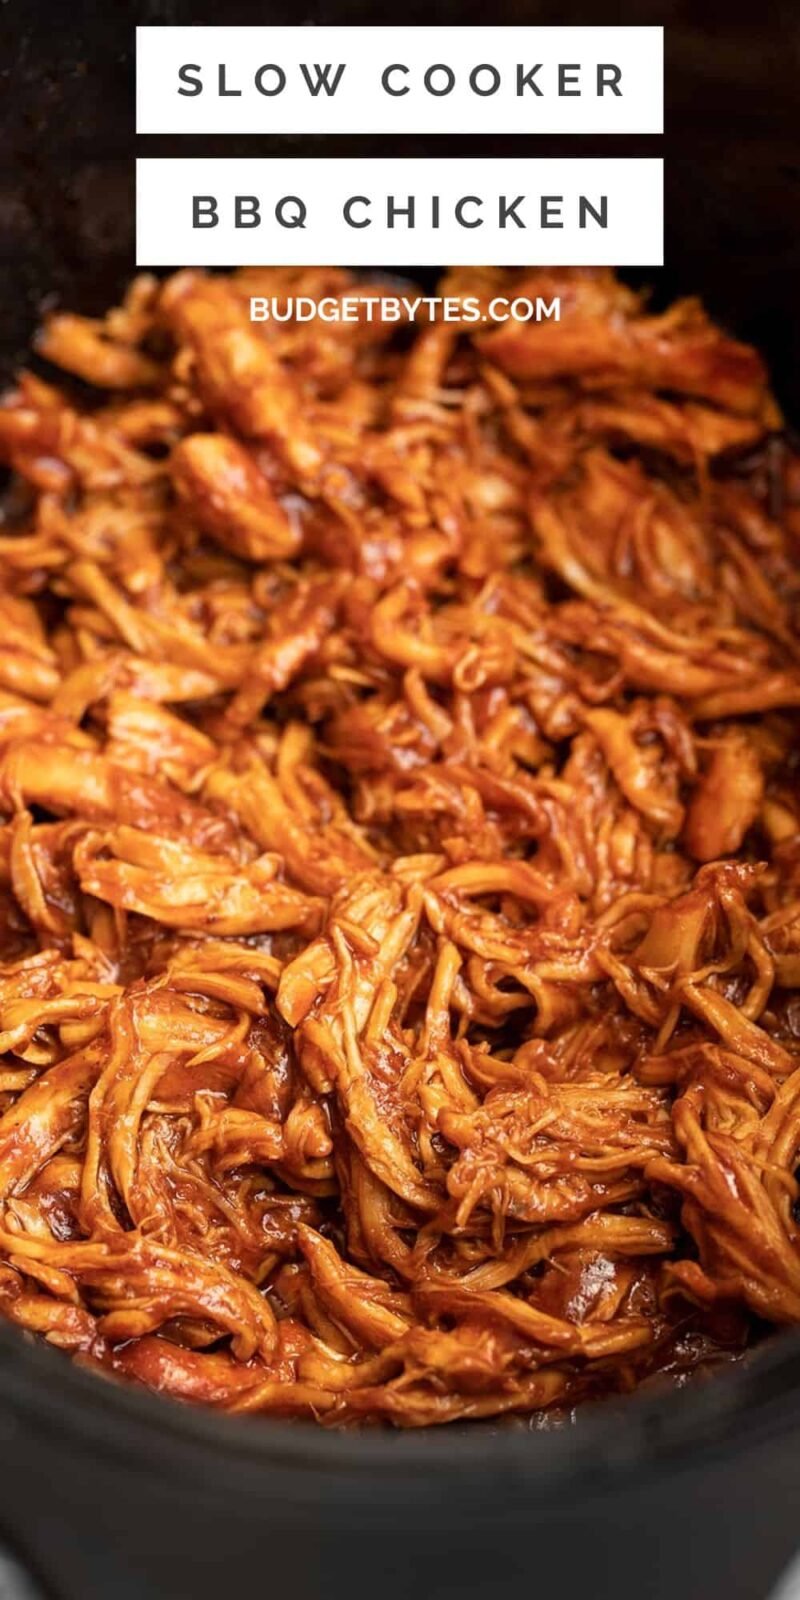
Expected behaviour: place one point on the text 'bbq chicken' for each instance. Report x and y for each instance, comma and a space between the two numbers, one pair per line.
400, 851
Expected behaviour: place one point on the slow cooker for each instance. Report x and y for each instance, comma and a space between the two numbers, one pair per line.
109, 1493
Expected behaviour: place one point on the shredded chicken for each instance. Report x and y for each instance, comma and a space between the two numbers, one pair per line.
400, 854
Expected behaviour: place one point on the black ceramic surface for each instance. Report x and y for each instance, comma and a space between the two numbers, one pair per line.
110, 1494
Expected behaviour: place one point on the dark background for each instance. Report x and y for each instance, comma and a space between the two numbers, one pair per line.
731, 145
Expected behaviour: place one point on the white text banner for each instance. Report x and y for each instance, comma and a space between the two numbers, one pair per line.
379, 80
363, 211
407, 212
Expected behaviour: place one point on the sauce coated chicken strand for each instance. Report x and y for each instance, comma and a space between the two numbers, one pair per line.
399, 851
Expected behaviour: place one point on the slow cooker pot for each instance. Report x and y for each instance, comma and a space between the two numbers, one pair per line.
112, 1494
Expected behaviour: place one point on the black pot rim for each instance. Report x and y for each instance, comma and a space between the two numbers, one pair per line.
609, 1442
